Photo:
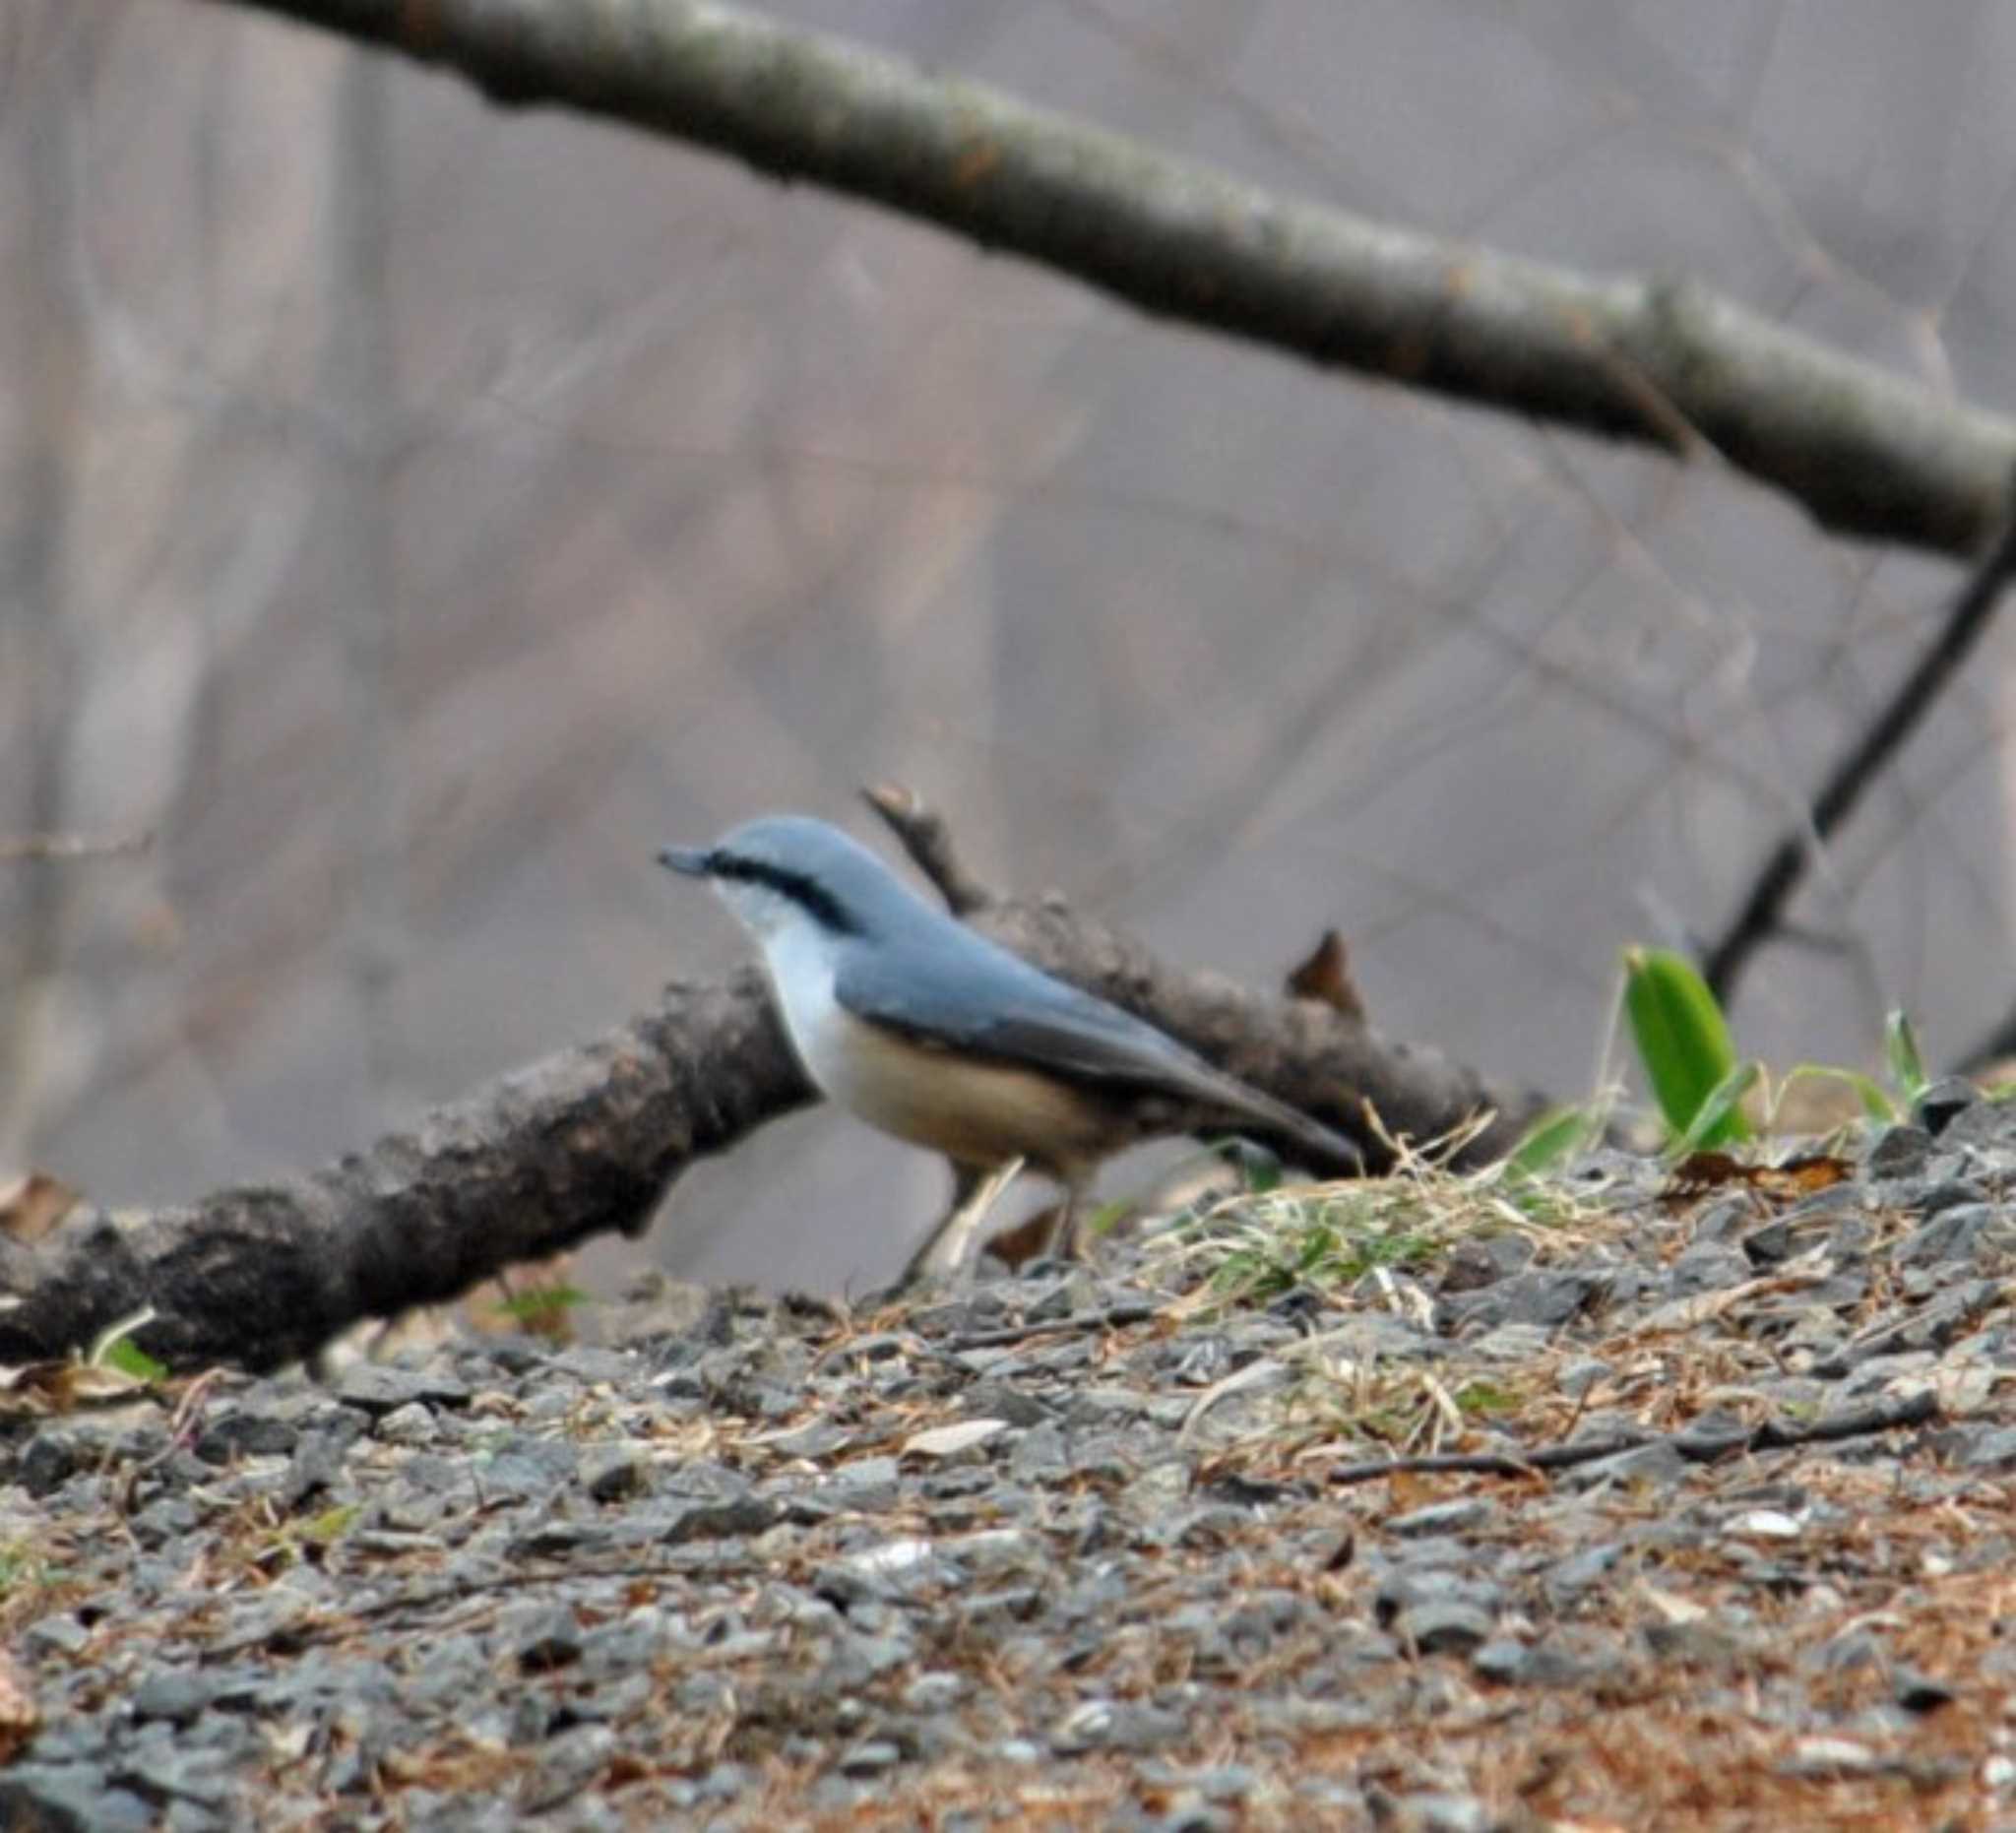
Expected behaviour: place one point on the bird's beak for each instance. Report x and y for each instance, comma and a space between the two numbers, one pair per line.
691, 862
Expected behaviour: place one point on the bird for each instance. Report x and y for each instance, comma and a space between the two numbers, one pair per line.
927, 1029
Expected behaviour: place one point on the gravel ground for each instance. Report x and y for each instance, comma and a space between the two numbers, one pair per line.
1098, 1551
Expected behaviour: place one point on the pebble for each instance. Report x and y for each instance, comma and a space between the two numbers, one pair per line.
657, 1581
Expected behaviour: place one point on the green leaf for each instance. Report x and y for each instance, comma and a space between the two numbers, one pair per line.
1683, 1044
1720, 1118
541, 1301
332, 1524
1554, 1136
1901, 1052
114, 1348
126, 1356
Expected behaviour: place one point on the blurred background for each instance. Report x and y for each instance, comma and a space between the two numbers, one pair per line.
416, 514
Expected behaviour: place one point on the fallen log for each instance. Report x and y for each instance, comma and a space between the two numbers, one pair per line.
588, 1142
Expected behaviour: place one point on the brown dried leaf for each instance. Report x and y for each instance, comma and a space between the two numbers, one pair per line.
32, 1204
1702, 1171
20, 1717
37, 1388
1326, 975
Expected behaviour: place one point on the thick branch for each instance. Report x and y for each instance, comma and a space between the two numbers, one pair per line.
588, 1142
582, 1143
1663, 362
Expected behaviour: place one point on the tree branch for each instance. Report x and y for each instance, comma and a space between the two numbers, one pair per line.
589, 1141
1762, 914
582, 1143
1661, 363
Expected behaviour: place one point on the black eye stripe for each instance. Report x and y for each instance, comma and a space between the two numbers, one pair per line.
806, 893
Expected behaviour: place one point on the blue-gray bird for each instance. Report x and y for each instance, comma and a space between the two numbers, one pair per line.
927, 1029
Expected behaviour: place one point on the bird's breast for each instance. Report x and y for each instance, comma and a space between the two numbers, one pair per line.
975, 1112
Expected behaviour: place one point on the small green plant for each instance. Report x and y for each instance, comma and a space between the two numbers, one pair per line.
1901, 1054
114, 1348
1557, 1135
1486, 1398
331, 1524
1327, 1244
544, 1310
1683, 1044
22, 1567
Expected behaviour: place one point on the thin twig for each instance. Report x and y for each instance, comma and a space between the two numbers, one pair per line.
1111, 1317
928, 840
1697, 1445
1761, 916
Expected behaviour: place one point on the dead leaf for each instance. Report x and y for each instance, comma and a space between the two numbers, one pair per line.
34, 1389
1702, 1171
20, 1719
32, 1204
1326, 975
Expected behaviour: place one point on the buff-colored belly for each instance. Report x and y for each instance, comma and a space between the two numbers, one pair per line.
979, 1114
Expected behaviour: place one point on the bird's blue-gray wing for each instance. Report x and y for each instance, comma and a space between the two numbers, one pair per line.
997, 1006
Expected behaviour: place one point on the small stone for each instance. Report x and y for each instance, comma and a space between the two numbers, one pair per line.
175, 1694
949, 1441
1659, 1464
1939, 1105
1821, 1760
713, 1521
1111, 1725
871, 1758
1766, 1523
1581, 1374
70, 1797
1919, 1692
241, 1434
567, 1765
1954, 1234
614, 1473
1501, 1658
1898, 1152
1434, 1812
61, 1633
1457, 1517
1770, 1245
1447, 1628
549, 1641
380, 1388
932, 1693
48, 1461
412, 1423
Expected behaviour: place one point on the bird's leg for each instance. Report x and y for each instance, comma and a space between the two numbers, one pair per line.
1068, 1240
950, 1249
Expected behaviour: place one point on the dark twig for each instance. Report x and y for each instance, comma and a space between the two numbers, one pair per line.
1111, 1317
928, 840
1761, 916
1698, 1445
